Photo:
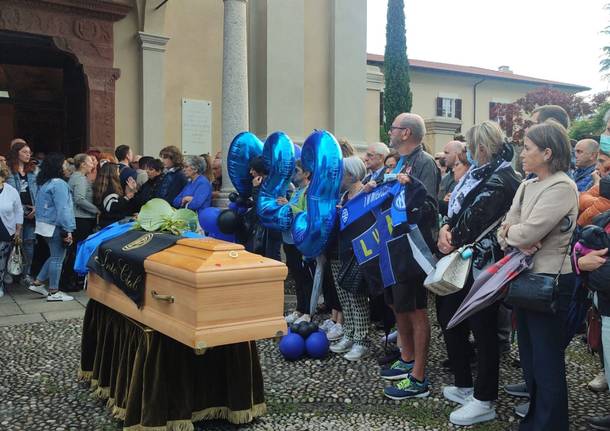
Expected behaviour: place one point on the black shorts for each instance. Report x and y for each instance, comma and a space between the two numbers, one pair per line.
408, 296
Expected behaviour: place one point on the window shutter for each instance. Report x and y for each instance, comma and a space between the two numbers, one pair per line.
492, 106
439, 106
458, 108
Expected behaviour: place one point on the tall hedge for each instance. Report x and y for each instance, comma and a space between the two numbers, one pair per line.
397, 95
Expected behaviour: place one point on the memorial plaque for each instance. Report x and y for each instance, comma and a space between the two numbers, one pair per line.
196, 126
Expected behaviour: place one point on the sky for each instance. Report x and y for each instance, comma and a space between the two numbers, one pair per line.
558, 40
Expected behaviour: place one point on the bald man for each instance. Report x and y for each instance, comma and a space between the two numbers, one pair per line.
586, 152
448, 183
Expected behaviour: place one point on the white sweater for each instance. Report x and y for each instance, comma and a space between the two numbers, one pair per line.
11, 211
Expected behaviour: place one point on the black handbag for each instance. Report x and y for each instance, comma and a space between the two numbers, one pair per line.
535, 292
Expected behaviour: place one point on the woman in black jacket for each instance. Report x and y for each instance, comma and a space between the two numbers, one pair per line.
478, 202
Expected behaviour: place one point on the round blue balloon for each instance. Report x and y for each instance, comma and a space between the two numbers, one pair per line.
311, 229
208, 219
317, 345
292, 346
243, 148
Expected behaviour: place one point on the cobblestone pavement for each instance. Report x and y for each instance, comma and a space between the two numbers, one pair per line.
39, 389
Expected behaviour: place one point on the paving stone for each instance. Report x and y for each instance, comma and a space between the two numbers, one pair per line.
20, 319
9, 309
63, 315
44, 306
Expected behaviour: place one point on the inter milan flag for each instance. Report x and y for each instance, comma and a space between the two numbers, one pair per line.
387, 219
121, 260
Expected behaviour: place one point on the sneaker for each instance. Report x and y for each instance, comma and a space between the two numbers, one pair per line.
342, 346
522, 409
407, 388
473, 412
458, 395
599, 422
389, 358
59, 296
303, 318
599, 383
517, 390
335, 333
292, 317
399, 370
39, 289
356, 353
327, 325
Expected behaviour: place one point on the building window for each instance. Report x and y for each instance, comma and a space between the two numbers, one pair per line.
449, 107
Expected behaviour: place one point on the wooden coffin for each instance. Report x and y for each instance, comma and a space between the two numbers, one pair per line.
205, 293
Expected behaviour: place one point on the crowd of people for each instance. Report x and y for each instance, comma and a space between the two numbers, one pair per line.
475, 196
49, 203
484, 195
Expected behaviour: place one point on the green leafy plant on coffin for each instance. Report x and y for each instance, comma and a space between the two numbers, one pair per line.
159, 216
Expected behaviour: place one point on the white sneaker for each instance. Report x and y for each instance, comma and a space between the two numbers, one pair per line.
59, 296
458, 395
599, 383
303, 318
335, 333
356, 352
39, 289
292, 317
342, 346
327, 325
473, 412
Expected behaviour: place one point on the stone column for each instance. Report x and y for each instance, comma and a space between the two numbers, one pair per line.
234, 83
152, 93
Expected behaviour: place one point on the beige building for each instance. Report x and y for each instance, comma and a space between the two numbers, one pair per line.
451, 98
193, 73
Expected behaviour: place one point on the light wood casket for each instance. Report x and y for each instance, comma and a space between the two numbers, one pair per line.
205, 293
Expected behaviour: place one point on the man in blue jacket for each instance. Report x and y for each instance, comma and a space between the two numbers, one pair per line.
586, 152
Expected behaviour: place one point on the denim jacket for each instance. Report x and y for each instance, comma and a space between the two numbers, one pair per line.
13, 180
54, 205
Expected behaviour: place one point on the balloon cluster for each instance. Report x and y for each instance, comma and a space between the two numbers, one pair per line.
304, 337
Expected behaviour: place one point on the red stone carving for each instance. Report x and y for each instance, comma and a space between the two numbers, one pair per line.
84, 29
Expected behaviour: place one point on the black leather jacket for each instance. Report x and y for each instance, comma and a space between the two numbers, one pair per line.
484, 205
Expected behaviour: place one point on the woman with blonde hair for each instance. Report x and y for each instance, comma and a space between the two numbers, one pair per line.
476, 206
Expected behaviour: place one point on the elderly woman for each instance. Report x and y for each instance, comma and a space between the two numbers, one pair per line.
11, 220
540, 222
351, 288
480, 199
174, 179
197, 193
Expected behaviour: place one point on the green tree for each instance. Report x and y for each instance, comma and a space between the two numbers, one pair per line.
592, 126
397, 96
605, 61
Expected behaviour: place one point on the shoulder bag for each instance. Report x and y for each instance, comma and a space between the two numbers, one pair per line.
451, 272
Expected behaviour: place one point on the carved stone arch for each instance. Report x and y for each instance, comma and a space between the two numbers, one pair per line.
84, 29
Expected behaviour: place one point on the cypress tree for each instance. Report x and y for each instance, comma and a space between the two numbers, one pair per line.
397, 97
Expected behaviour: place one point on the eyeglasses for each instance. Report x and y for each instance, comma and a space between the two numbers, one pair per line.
392, 128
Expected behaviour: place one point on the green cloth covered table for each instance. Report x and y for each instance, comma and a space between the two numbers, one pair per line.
154, 383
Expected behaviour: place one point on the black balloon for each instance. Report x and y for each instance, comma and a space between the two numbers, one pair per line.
228, 222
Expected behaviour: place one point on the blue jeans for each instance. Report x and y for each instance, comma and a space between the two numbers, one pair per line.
29, 238
51, 270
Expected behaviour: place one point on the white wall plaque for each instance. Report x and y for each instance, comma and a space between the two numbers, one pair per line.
196, 126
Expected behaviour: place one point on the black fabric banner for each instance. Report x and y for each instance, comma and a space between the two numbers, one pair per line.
121, 260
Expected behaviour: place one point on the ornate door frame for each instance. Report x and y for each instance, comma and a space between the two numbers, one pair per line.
82, 28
